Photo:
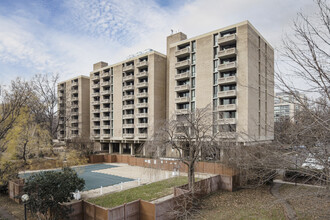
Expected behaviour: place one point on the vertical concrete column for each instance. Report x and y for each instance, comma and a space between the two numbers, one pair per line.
110, 148
144, 150
120, 148
132, 149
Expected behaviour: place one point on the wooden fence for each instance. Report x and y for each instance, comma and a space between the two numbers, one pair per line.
15, 188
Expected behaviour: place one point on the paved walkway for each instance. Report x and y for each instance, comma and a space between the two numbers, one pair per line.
5, 215
288, 209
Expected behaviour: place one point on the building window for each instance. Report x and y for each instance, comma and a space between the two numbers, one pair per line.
193, 58
192, 82
215, 39
192, 106
193, 46
215, 91
193, 95
193, 70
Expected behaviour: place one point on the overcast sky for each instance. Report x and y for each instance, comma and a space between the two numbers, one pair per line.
69, 36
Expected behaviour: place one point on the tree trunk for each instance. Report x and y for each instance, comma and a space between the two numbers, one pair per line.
191, 177
24, 152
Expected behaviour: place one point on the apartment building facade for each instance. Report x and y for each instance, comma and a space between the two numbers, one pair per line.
73, 107
230, 69
286, 105
127, 101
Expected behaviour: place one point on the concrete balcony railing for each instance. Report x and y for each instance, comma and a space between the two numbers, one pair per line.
182, 52
182, 64
228, 39
105, 101
142, 94
75, 98
74, 113
106, 136
106, 126
94, 77
184, 75
105, 92
61, 122
95, 126
142, 84
142, 135
142, 74
182, 111
105, 83
130, 77
130, 106
96, 136
142, 115
229, 93
142, 125
106, 118
95, 110
227, 134
229, 107
227, 80
94, 86
96, 102
74, 83
227, 66
227, 121
105, 74
76, 105
128, 68
61, 94
94, 94
182, 99
105, 109
128, 116
74, 120
96, 118
227, 53
128, 125
142, 64
129, 87
128, 135
128, 97
182, 87
142, 105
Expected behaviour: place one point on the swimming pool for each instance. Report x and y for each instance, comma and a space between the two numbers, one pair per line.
93, 180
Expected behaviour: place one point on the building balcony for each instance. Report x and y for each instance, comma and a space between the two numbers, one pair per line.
142, 105
128, 68
142, 74
182, 52
61, 122
227, 121
129, 87
142, 125
94, 94
106, 118
95, 110
105, 92
142, 94
95, 86
106, 136
105, 83
128, 97
142, 115
130, 77
106, 126
96, 136
182, 88
142, 135
95, 126
227, 66
229, 39
128, 135
227, 53
96, 102
142, 85
74, 83
182, 64
142, 64
76, 120
185, 75
105, 74
229, 93
182, 99
105, 101
182, 111
128, 116
105, 109
94, 77
130, 106
230, 135
75, 98
227, 80
229, 107
96, 118
128, 125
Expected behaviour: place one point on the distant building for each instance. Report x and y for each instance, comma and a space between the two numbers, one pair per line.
286, 105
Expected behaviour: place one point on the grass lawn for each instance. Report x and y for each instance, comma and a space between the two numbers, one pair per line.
242, 204
308, 202
146, 192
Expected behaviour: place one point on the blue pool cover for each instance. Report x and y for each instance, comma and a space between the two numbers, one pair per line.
94, 180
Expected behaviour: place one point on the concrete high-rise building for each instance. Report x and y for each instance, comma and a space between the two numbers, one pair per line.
73, 104
231, 69
127, 101
286, 105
